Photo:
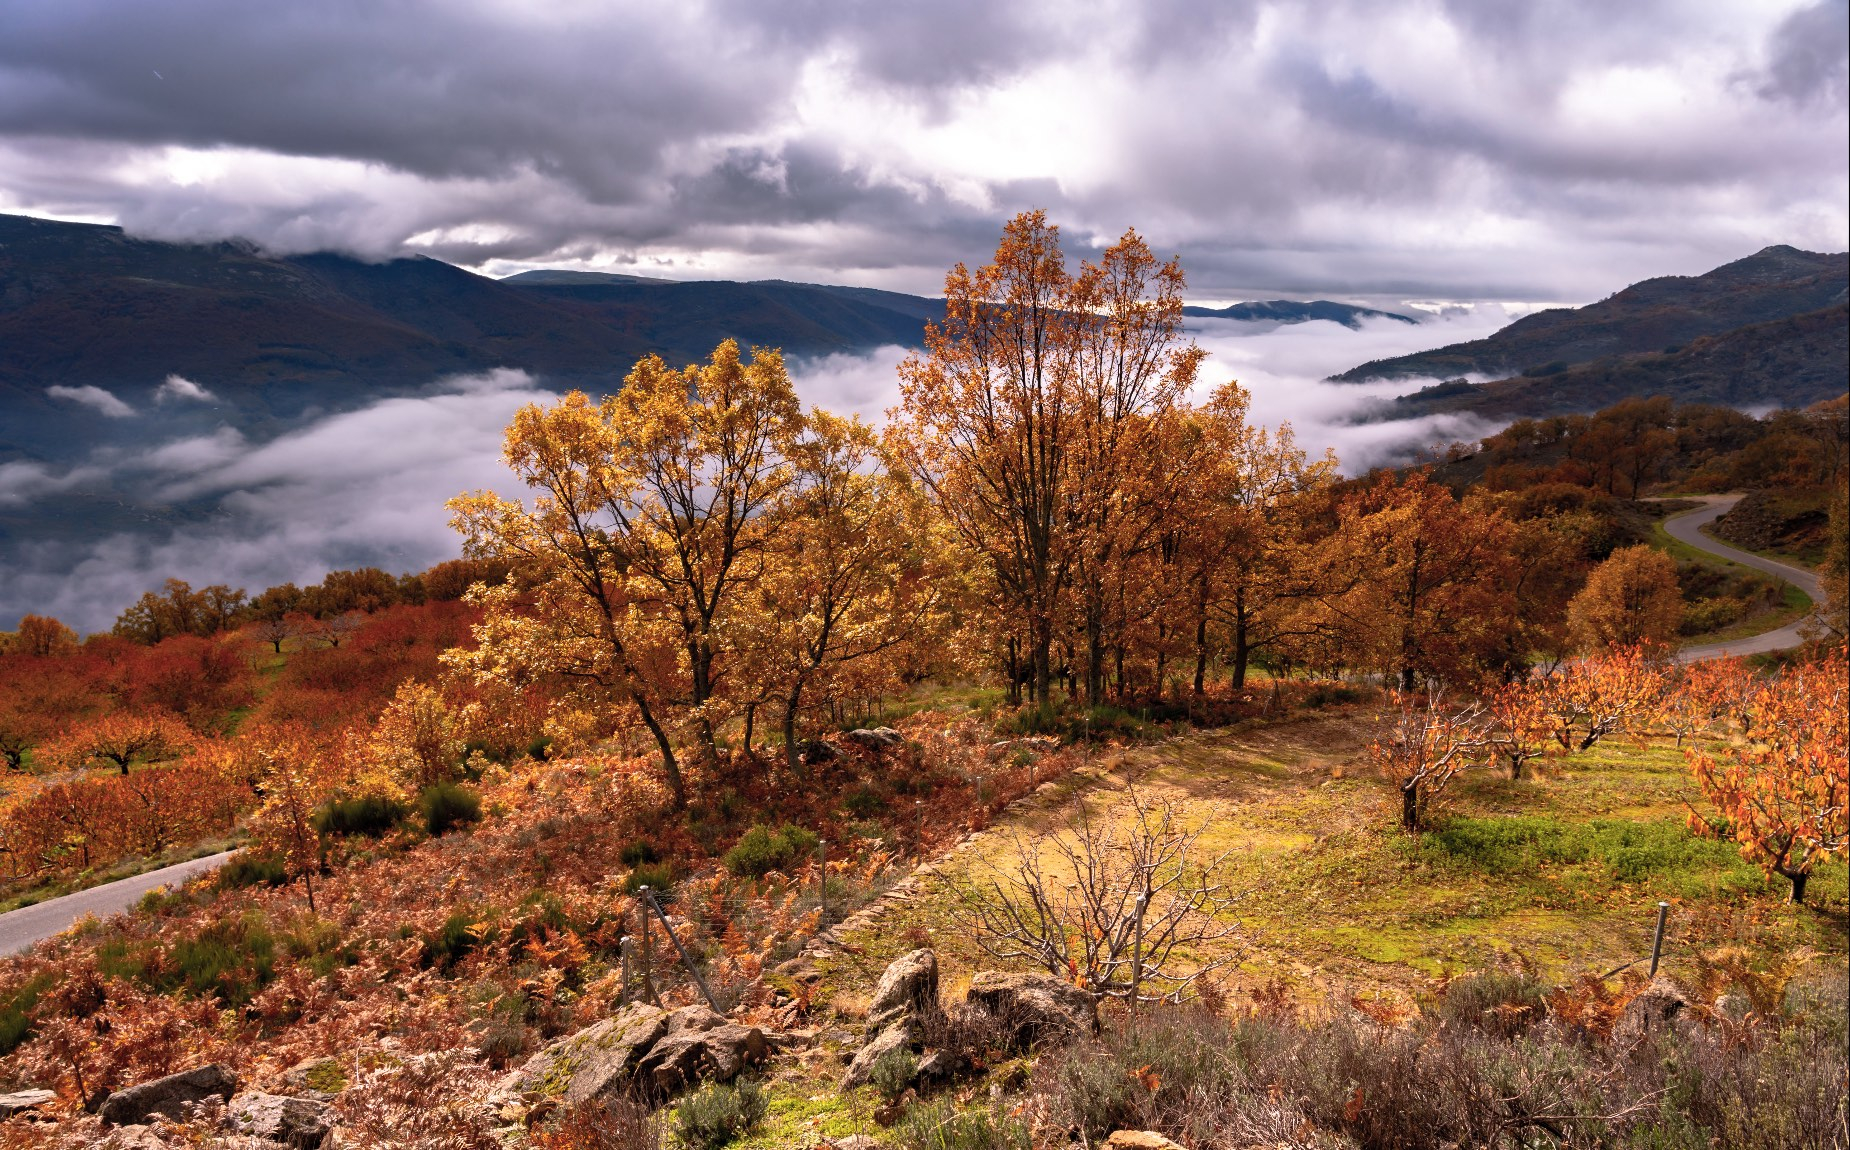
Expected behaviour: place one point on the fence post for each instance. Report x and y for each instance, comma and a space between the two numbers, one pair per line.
679, 949
1657, 942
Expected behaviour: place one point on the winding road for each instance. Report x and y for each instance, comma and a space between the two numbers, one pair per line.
1685, 528
21, 928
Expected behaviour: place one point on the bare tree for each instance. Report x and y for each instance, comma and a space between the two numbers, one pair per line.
1117, 904
1423, 743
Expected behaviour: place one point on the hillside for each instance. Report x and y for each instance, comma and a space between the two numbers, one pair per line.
1293, 311
1659, 315
1790, 362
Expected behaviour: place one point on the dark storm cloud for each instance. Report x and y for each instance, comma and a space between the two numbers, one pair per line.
1463, 148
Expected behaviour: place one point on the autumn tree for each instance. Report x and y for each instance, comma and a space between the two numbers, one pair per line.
418, 738
297, 771
1629, 599
1783, 790
121, 740
1423, 742
177, 609
987, 419
1413, 584
42, 637
849, 578
1519, 727
646, 529
1590, 698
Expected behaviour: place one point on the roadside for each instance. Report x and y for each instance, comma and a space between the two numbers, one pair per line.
1686, 528
19, 929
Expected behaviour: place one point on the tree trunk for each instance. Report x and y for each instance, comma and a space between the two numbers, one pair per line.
791, 761
1798, 881
671, 767
1410, 806
1242, 650
1515, 767
1014, 694
1043, 666
751, 712
1201, 653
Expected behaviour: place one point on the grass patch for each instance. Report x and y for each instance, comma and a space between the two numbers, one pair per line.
1661, 853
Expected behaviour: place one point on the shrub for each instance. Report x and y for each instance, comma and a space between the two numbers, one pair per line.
231, 960
247, 869
638, 852
446, 806
16, 1012
458, 935
864, 802
714, 1115
762, 850
659, 879
941, 1126
1503, 1003
892, 1073
369, 815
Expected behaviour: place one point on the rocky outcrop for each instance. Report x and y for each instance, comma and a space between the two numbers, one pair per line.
905, 1003
876, 739
298, 1123
1655, 1008
643, 1048
173, 1096
22, 1100
1037, 1009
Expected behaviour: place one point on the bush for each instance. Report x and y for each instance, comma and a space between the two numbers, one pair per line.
246, 869
446, 806
369, 815
16, 1012
659, 879
1504, 1003
762, 850
231, 960
455, 938
715, 1115
638, 852
864, 802
892, 1073
941, 1126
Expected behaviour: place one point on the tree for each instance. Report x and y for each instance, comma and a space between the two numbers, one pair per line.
121, 740
1422, 744
1629, 599
988, 419
1601, 695
1834, 572
1784, 791
296, 773
849, 579
177, 609
41, 636
647, 530
1415, 585
275, 632
1519, 725
417, 739
1110, 902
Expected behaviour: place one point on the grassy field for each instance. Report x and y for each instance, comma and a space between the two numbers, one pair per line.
1560, 871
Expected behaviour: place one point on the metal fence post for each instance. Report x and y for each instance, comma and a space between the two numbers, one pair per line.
1657, 942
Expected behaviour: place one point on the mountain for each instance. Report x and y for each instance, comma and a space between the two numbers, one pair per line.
1791, 362
1294, 311
1654, 316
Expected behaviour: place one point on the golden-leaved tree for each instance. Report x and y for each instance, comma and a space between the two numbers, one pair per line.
1629, 599
648, 524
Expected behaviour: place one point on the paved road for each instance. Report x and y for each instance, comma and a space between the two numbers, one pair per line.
1684, 528
21, 928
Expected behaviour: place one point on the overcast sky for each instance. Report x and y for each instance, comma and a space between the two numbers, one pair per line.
1478, 149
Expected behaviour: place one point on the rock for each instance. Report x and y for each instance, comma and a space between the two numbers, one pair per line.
316, 1078
134, 1138
1653, 1008
22, 1100
899, 1036
876, 739
1038, 1009
699, 1045
907, 988
1140, 1140
854, 1142
298, 1123
608, 1060
172, 1096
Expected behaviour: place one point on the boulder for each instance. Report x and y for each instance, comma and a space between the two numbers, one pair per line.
1653, 1008
316, 1078
21, 1100
1037, 1009
606, 1064
173, 1096
699, 1045
899, 1036
908, 988
1140, 1140
298, 1123
876, 739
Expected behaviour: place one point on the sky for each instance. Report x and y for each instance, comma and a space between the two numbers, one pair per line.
1371, 150
1495, 154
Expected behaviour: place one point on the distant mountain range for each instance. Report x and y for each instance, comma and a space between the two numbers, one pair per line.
1292, 311
1768, 329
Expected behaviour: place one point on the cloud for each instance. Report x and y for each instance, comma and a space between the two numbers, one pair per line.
93, 397
179, 388
1454, 149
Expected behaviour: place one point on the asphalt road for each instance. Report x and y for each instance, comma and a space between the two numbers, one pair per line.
1684, 528
21, 928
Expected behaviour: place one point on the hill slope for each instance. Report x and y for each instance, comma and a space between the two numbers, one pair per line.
1294, 311
1653, 316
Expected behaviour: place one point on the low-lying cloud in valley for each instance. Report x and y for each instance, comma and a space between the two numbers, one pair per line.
367, 487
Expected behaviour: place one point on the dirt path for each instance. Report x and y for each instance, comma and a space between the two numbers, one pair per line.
1685, 528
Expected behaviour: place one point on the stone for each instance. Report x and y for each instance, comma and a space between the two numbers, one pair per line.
316, 1078
700, 1045
908, 988
22, 1100
1140, 1140
173, 1096
607, 1061
1653, 1008
854, 1142
899, 1036
1039, 1009
876, 739
298, 1123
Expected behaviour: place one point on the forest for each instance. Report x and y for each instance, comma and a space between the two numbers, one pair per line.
732, 668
